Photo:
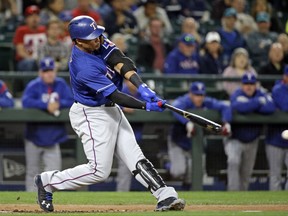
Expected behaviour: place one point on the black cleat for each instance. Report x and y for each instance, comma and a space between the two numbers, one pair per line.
44, 198
170, 204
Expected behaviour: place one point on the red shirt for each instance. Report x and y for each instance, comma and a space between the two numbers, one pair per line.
31, 39
91, 13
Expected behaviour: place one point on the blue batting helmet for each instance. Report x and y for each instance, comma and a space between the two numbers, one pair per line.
84, 27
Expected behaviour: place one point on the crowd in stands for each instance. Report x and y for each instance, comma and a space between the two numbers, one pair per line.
234, 38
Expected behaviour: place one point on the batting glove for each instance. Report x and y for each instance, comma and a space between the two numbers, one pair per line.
147, 94
190, 129
156, 106
226, 129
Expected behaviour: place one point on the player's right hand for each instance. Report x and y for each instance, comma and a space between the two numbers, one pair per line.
147, 94
157, 106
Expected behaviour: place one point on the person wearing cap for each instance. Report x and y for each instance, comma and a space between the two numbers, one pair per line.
27, 38
241, 147
6, 98
179, 137
211, 59
54, 47
50, 94
184, 58
97, 69
230, 37
276, 145
259, 42
66, 16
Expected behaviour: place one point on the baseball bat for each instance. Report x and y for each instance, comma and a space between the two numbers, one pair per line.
201, 121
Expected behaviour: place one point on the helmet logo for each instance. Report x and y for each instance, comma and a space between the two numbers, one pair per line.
94, 25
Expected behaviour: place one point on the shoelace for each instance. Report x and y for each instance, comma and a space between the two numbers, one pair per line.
49, 196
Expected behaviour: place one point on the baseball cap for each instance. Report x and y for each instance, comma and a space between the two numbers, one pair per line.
32, 9
286, 70
65, 16
198, 88
187, 39
212, 36
249, 78
230, 12
47, 63
262, 17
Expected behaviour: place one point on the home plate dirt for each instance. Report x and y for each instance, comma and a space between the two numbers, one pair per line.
4, 208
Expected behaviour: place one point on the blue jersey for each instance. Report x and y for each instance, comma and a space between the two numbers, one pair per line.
177, 63
91, 79
280, 98
37, 95
178, 130
244, 104
6, 99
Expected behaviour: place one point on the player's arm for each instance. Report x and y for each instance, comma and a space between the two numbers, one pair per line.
126, 67
128, 101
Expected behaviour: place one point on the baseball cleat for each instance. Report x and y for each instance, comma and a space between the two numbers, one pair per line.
170, 204
44, 198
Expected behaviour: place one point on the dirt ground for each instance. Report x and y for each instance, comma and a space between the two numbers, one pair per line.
25, 208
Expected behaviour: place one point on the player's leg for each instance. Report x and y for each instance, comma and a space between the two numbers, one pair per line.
32, 157
275, 157
286, 164
52, 158
123, 178
248, 161
233, 149
129, 151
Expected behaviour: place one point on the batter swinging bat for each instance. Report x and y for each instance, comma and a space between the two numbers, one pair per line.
203, 122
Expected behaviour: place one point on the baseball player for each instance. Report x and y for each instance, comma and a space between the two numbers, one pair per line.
97, 68
179, 139
242, 147
48, 93
6, 99
276, 145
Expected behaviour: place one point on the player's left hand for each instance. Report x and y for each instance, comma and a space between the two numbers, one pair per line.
157, 106
147, 94
226, 129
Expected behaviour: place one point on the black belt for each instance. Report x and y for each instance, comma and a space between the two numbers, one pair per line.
108, 104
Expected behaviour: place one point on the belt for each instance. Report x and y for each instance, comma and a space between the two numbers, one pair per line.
108, 104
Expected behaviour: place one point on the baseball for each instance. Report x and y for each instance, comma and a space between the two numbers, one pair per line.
285, 134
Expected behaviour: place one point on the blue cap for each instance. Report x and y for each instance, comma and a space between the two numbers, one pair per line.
286, 70
198, 88
47, 63
262, 17
187, 39
249, 78
65, 16
230, 12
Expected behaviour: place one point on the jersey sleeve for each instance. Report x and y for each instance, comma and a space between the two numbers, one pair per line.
107, 48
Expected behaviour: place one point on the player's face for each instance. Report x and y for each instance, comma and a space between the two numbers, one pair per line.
48, 77
197, 99
89, 45
249, 89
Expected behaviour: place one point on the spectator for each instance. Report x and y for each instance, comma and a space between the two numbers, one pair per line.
275, 65
84, 8
240, 63
184, 58
10, 15
6, 99
221, 6
230, 37
211, 59
148, 10
241, 147
54, 47
153, 48
283, 39
47, 93
245, 22
120, 20
51, 11
124, 176
190, 26
27, 38
102, 7
179, 138
277, 146
65, 17
259, 42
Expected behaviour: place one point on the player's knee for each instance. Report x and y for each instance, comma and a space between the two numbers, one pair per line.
234, 162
